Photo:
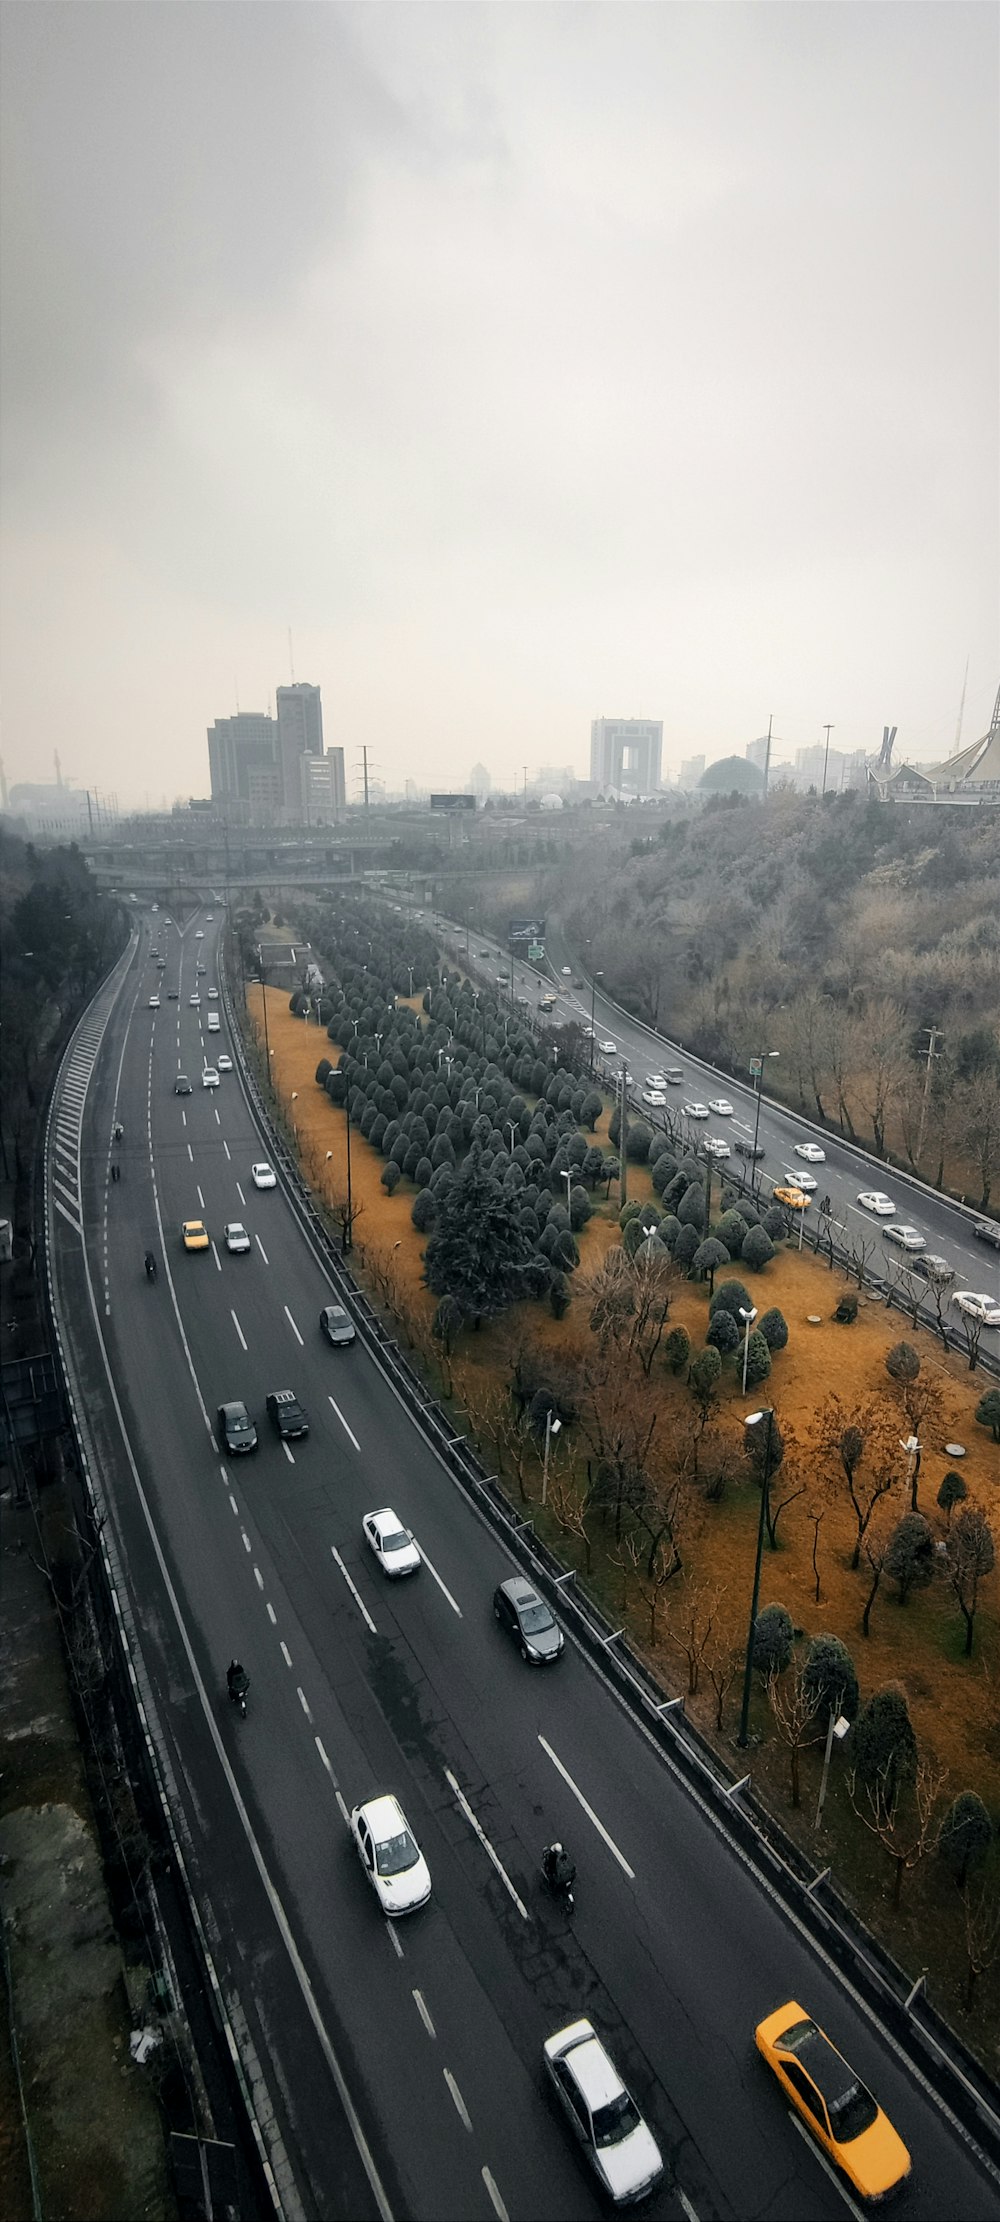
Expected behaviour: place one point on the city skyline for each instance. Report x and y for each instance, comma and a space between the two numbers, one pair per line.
623, 362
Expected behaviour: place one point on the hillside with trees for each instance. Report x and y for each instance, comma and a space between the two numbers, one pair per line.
839, 932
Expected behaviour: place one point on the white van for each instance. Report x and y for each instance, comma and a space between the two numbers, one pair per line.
213, 1022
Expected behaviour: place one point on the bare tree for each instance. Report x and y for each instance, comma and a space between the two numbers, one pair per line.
690, 1628
794, 1708
883, 1067
970, 1333
569, 1512
860, 1251
723, 1661
971, 1556
982, 1933
854, 1440
983, 1129
876, 1547
904, 1819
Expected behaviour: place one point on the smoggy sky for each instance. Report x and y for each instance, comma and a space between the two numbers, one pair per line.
530, 362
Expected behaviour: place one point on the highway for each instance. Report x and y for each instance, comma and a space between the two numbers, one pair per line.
395, 2069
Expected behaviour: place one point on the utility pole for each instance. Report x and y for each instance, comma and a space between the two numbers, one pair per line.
767, 755
828, 729
935, 1035
623, 1138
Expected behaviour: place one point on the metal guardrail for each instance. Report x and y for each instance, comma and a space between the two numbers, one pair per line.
808, 1894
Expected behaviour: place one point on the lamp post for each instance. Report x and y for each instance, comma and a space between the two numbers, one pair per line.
567, 1175
749, 1318
294, 1099
595, 976
347, 1242
754, 1419
623, 1138
552, 1427
837, 1726
511, 1129
263, 997
758, 1062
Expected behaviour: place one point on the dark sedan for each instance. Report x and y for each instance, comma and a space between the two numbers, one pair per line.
988, 1230
526, 1616
749, 1149
337, 1325
286, 1414
236, 1429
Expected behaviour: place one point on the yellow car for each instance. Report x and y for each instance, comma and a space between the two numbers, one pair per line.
194, 1235
833, 2102
795, 1199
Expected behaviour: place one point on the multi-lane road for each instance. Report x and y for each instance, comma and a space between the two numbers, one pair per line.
397, 2069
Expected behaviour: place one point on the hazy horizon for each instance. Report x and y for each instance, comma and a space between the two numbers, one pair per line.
529, 363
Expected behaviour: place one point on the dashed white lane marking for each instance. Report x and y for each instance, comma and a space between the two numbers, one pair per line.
358, 1599
217, 1258
286, 1654
233, 1506
218, 1121
272, 1615
588, 1809
247, 1545
293, 1327
320, 1748
460, 2106
289, 1453
685, 2203
494, 2196
394, 1939
477, 1825
341, 1801
443, 1586
347, 1430
262, 1250
258, 1577
225, 1146
419, 2002
201, 1200
190, 1153
241, 1196
238, 1328
303, 1701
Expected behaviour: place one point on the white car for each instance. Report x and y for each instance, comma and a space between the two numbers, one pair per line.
654, 1097
209, 915
391, 1857
874, 1199
195, 1000
721, 1105
263, 1176
237, 1238
984, 1308
806, 1181
199, 936
608, 1049
392, 1544
714, 1146
154, 1002
908, 1238
210, 1078
567, 971
225, 1064
213, 995
656, 1080
602, 2114
696, 1110
811, 1152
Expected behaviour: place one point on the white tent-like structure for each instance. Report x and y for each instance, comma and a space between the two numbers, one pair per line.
971, 776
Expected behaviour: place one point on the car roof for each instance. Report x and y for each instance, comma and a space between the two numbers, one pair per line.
520, 1590
235, 1409
387, 1521
282, 1396
591, 2068
384, 1815
827, 2067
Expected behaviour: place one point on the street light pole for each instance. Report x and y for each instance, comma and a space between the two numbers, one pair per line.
754, 1420
594, 977
623, 1140
758, 1076
552, 1427
348, 1237
749, 1317
263, 992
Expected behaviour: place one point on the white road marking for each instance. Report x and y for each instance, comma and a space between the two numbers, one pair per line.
418, 2000
286, 1654
258, 1577
272, 1615
225, 1146
190, 1153
233, 1504
685, 2203
241, 1196
475, 1824
343, 1807
201, 1199
495, 2200
358, 1599
588, 1809
217, 1258
347, 1430
288, 1454
247, 1545
443, 1586
238, 1328
818, 2154
303, 1701
460, 2106
260, 1246
394, 1939
218, 1121
293, 1327
319, 1746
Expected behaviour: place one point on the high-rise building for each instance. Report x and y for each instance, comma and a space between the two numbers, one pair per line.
480, 782
242, 756
300, 733
625, 754
691, 771
756, 752
321, 786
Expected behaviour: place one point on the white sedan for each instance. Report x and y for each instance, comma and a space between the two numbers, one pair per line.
154, 1002
714, 1146
696, 1110
263, 1176
875, 1199
391, 1857
802, 1180
984, 1308
225, 1063
210, 1078
656, 1080
195, 1000
654, 1097
608, 1049
237, 1238
811, 1152
392, 1544
722, 1105
602, 2114
567, 971
908, 1238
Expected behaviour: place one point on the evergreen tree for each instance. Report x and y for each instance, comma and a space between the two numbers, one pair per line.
478, 1253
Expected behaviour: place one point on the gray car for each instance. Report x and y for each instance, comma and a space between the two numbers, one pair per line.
337, 1326
520, 1609
236, 1429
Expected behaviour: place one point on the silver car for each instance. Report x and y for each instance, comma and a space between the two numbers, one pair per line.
601, 2113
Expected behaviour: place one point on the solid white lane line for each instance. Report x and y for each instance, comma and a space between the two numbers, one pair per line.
358, 1599
287, 1451
216, 1256
685, 2202
495, 2200
262, 1250
286, 1654
475, 1824
443, 1586
588, 1809
293, 1327
347, 1430
201, 1200
460, 2106
818, 2154
303, 1701
418, 2000
238, 1328
319, 1746
241, 1196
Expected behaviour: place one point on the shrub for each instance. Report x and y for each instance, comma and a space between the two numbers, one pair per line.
686, 1245
390, 1177
677, 1349
424, 1173
668, 1230
966, 1835
662, 1174
829, 1675
322, 1070
758, 1359
708, 1258
847, 1307
909, 1557
773, 1636
638, 1140
723, 1334
884, 1743
691, 1209
732, 1229
424, 1210
730, 1296
565, 1253
902, 1363
988, 1413
774, 1328
559, 1295
627, 1212
758, 1249
704, 1376
774, 1223
952, 1492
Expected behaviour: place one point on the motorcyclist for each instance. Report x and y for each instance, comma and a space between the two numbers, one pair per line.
557, 1867
150, 1264
237, 1679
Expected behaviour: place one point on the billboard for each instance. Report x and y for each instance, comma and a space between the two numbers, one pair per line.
523, 930
453, 802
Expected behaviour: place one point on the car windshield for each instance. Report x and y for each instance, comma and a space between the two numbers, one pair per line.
852, 2113
534, 1618
396, 1854
238, 1426
397, 1541
616, 2121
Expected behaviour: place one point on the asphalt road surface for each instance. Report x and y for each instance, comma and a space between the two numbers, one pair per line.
396, 2069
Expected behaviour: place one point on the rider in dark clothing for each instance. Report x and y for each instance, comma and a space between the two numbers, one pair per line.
557, 1867
237, 1677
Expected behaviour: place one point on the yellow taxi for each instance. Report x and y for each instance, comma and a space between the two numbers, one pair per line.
795, 1198
194, 1235
833, 2102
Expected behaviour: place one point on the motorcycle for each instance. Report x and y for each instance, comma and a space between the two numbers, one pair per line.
238, 1688
150, 1264
559, 1877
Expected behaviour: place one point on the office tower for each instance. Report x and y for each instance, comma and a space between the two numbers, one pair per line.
300, 733
242, 759
625, 754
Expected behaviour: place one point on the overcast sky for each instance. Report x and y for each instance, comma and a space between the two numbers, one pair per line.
530, 362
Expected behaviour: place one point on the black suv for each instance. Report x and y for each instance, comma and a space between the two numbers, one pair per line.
988, 1230
749, 1149
182, 1085
284, 1409
526, 1616
236, 1429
